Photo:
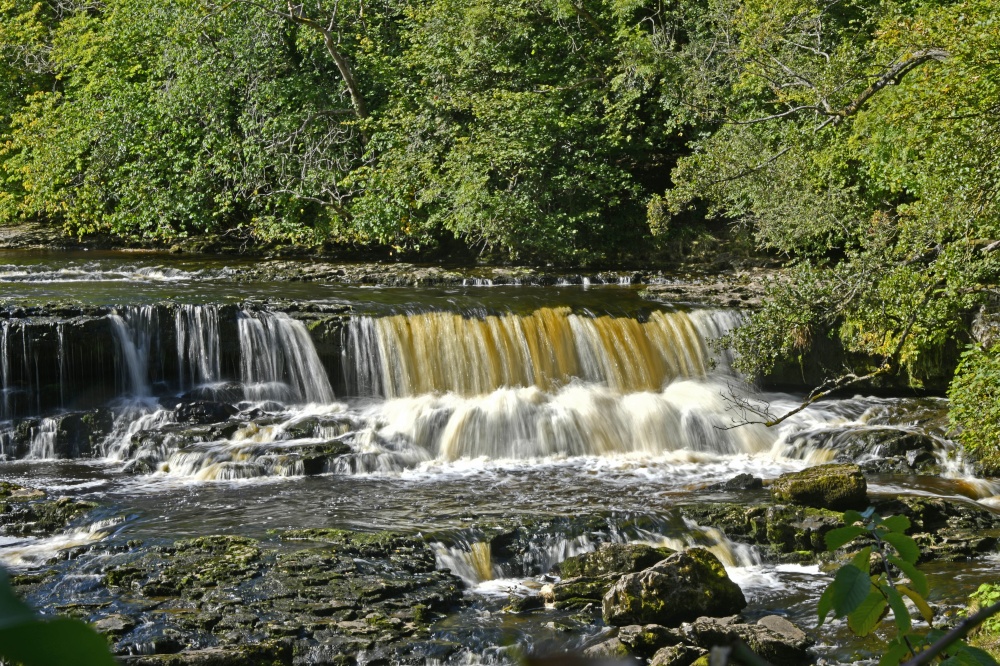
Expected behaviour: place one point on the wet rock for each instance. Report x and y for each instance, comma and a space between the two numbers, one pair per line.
646, 640
114, 626
25, 513
328, 594
789, 532
613, 558
609, 648
838, 487
204, 412
740, 482
12, 492
682, 587
946, 529
578, 593
524, 604
271, 653
773, 638
677, 655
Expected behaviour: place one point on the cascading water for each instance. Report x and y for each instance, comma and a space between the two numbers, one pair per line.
43, 440
5, 385
197, 330
408, 355
279, 361
135, 333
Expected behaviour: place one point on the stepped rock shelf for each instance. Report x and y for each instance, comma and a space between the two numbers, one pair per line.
220, 462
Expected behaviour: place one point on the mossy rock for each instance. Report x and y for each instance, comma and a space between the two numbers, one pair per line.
837, 487
681, 588
613, 558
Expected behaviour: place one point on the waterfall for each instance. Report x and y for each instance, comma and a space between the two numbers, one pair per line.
407, 355
135, 334
43, 440
197, 330
5, 387
279, 361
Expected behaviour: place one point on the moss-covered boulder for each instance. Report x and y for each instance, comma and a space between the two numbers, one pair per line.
838, 487
613, 558
681, 588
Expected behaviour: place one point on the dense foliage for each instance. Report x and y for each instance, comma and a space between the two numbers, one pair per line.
530, 129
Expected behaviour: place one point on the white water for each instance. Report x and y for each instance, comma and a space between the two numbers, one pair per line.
197, 330
279, 361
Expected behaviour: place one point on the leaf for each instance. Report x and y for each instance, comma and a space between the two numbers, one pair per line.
851, 586
862, 560
55, 643
825, 603
851, 516
868, 614
968, 656
977, 656
904, 545
897, 524
895, 653
925, 610
900, 613
917, 577
838, 537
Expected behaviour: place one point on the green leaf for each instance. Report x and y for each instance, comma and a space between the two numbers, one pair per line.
896, 524
968, 656
895, 653
851, 516
863, 619
825, 603
13, 611
851, 586
904, 545
862, 560
917, 577
55, 643
900, 613
978, 656
842, 535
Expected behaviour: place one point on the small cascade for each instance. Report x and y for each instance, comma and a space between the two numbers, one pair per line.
407, 355
279, 361
43, 440
135, 333
197, 331
729, 552
472, 562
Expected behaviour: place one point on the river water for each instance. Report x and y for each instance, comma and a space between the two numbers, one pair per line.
424, 410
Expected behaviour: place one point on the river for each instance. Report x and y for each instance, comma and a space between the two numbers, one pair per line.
216, 401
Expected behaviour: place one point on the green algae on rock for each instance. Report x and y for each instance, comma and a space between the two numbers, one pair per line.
681, 588
837, 487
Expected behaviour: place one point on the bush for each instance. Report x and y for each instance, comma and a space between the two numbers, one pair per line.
975, 406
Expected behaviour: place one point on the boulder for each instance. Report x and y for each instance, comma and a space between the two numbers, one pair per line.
740, 482
677, 655
681, 588
837, 487
647, 640
204, 412
613, 558
773, 637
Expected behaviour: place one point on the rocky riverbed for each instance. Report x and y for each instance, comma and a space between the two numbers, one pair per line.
331, 596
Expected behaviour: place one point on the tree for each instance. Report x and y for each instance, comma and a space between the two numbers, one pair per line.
860, 140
